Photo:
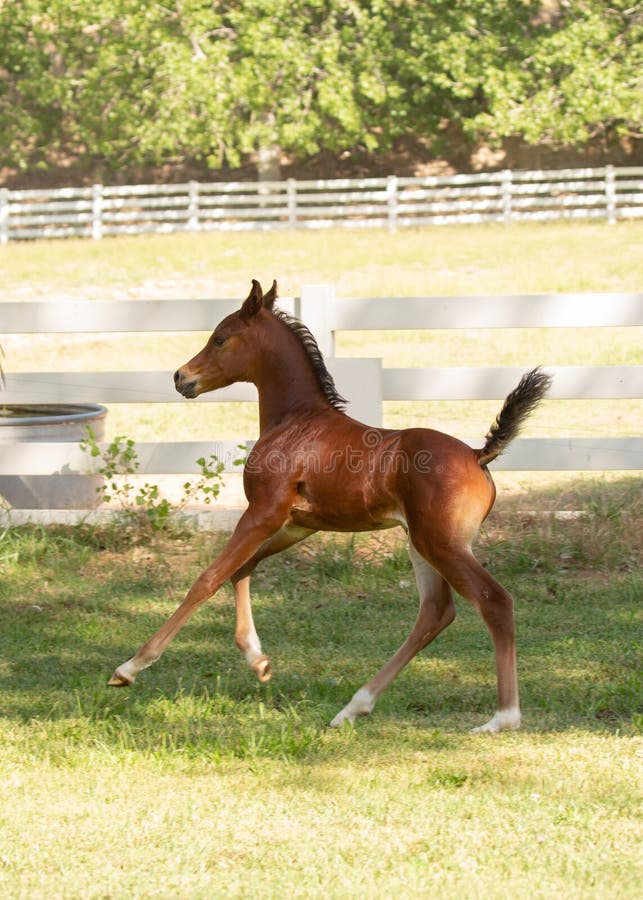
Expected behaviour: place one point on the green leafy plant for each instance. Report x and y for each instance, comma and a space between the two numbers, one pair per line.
143, 504
242, 459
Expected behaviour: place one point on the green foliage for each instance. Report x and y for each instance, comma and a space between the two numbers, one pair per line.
144, 505
577, 77
126, 84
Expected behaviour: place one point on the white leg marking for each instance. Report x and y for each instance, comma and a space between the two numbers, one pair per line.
503, 720
127, 672
256, 658
361, 705
253, 648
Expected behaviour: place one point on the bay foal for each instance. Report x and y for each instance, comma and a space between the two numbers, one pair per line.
314, 468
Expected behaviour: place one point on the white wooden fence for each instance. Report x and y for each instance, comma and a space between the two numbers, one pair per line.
362, 381
602, 193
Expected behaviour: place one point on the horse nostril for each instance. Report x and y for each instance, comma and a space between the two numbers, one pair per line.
177, 376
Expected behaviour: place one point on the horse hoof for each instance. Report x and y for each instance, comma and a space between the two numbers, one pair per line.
505, 720
342, 719
119, 680
361, 704
263, 669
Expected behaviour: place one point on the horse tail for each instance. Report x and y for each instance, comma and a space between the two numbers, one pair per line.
517, 407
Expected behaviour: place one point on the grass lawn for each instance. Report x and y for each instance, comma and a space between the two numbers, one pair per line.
199, 782
447, 260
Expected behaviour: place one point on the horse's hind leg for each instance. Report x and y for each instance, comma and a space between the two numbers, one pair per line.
472, 581
437, 610
245, 634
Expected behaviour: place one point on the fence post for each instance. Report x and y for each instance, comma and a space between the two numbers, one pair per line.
193, 206
506, 196
291, 188
4, 215
315, 310
97, 212
360, 382
610, 194
391, 194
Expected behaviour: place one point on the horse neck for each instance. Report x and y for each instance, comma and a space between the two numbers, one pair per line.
285, 379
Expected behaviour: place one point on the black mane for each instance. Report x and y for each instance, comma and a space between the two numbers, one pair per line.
314, 354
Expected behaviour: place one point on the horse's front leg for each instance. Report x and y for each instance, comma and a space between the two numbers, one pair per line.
251, 532
245, 634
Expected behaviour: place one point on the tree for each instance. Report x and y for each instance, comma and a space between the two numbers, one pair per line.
109, 82
578, 76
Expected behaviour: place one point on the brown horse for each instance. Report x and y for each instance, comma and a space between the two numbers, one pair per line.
314, 468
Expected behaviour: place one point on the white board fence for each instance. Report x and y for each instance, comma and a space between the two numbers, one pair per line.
363, 381
610, 193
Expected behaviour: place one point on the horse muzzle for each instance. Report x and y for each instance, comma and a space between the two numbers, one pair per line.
186, 385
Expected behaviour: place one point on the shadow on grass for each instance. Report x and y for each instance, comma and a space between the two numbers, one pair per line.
329, 614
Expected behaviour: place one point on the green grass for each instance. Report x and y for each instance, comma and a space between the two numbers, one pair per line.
199, 782
446, 260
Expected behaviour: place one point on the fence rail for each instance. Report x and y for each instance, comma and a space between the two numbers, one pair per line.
363, 381
610, 193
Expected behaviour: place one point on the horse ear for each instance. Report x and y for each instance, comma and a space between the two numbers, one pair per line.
270, 296
252, 304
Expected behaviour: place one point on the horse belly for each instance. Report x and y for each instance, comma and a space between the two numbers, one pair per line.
306, 519
342, 514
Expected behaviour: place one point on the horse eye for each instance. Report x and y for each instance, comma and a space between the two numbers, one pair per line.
218, 341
